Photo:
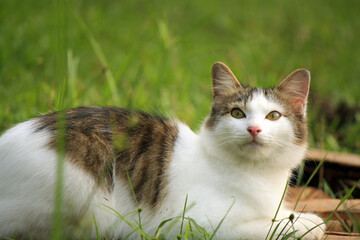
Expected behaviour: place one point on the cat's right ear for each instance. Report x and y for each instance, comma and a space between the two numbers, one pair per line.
224, 81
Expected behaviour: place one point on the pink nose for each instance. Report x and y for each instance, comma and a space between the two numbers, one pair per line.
254, 130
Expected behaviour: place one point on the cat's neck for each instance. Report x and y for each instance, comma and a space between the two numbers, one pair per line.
207, 169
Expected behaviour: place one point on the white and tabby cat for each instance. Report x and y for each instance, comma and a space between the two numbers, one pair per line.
244, 153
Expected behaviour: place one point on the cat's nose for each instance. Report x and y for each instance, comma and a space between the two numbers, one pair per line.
254, 130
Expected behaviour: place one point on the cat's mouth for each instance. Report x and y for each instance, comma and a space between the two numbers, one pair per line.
254, 143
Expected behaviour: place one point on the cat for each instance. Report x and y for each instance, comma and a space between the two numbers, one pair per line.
131, 166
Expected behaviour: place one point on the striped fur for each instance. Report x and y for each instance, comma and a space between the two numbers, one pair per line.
108, 142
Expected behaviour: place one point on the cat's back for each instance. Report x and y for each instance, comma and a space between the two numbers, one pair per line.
101, 141
101, 147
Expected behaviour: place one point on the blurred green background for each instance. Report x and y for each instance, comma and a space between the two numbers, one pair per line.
157, 55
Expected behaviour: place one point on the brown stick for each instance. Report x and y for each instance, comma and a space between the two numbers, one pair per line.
334, 157
328, 205
341, 236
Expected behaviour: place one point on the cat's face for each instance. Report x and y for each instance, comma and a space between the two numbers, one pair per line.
258, 123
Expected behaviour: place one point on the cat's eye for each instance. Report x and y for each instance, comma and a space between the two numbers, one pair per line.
237, 113
273, 115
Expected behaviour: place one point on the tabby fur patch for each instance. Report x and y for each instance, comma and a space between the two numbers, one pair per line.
111, 142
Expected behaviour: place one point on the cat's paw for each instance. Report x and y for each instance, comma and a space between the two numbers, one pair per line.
308, 226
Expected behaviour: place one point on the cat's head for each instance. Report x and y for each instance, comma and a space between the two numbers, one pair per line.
255, 124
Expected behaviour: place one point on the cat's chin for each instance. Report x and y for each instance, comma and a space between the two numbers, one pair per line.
254, 148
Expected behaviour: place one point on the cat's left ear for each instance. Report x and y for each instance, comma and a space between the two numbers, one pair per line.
224, 81
296, 89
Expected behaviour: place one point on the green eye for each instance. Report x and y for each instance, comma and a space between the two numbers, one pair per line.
237, 113
273, 116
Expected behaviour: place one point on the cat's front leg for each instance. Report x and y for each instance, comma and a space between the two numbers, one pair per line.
304, 222
306, 226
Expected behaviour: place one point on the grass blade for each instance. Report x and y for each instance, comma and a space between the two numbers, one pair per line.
59, 182
183, 215
133, 226
309, 180
72, 72
139, 210
161, 225
222, 220
98, 237
347, 196
277, 210
101, 57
